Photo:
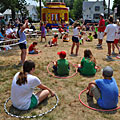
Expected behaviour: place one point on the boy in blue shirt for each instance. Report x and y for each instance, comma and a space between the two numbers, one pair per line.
105, 90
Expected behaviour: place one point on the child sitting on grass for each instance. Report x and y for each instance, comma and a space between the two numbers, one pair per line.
87, 64
66, 37
105, 91
23, 85
61, 66
90, 38
53, 42
32, 49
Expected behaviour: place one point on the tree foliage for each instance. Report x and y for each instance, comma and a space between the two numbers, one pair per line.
116, 3
77, 9
14, 5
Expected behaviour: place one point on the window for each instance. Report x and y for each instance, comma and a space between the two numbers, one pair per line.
96, 16
97, 8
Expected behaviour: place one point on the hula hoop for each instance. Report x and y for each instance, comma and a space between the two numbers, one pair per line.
5, 109
94, 108
62, 77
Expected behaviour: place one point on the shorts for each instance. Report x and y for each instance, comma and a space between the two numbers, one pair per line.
75, 39
116, 41
110, 41
100, 35
96, 92
32, 52
34, 101
22, 46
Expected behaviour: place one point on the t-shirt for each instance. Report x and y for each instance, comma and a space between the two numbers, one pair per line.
76, 32
111, 30
8, 31
21, 95
88, 67
62, 67
90, 37
31, 47
109, 93
1, 36
22, 37
101, 23
60, 30
54, 40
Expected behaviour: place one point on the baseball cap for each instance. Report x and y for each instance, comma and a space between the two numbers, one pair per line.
62, 54
108, 71
102, 14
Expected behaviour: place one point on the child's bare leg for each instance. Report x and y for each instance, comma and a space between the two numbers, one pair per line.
42, 95
45, 39
109, 49
113, 47
73, 45
77, 44
116, 44
41, 38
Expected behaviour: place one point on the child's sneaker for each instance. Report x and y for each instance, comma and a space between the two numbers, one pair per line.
113, 53
109, 57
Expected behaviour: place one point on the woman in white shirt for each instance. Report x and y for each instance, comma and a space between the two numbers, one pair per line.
23, 85
110, 31
75, 38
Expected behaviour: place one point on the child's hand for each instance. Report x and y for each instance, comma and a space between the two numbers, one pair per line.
52, 93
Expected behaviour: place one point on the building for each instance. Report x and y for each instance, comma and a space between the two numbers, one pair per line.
92, 9
32, 12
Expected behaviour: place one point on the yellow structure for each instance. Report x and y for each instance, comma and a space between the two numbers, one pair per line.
55, 13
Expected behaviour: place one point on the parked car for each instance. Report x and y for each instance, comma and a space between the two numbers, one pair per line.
90, 22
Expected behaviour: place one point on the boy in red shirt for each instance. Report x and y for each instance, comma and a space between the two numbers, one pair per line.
101, 29
53, 42
32, 49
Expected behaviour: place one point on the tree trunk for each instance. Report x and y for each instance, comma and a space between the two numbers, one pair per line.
13, 14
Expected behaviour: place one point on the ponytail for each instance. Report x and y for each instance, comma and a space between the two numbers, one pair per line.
27, 67
22, 78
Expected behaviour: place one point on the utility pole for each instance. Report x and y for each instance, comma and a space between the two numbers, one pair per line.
40, 9
108, 8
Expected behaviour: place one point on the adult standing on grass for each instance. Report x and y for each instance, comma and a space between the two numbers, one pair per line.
22, 41
23, 85
101, 29
110, 31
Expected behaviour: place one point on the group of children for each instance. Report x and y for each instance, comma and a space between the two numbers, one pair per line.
104, 90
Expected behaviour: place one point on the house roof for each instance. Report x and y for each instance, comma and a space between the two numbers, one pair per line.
88, 4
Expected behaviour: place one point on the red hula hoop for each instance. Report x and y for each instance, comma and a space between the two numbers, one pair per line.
94, 108
62, 77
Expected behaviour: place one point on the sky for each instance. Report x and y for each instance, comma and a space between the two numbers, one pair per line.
34, 3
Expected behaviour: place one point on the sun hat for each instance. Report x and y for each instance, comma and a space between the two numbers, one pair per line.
62, 54
108, 71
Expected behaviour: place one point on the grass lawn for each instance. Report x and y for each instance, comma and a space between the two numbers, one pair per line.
69, 107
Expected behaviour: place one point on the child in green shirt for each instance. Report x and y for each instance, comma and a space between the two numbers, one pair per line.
90, 38
87, 64
61, 66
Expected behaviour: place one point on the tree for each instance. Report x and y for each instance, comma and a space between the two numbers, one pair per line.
77, 9
116, 3
14, 5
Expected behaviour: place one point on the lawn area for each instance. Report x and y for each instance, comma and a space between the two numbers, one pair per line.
69, 107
